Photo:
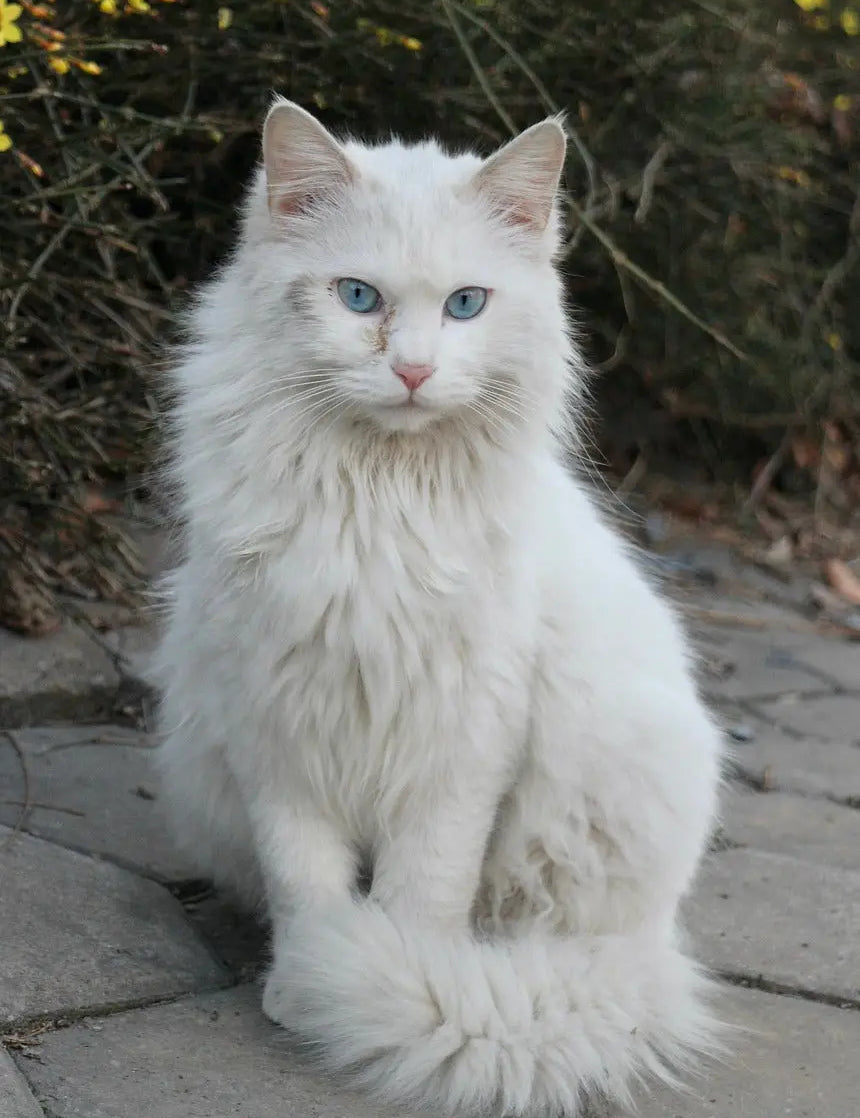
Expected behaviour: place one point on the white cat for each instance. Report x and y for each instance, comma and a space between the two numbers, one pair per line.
404, 644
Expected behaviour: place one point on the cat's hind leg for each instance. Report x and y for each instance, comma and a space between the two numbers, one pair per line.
208, 815
604, 828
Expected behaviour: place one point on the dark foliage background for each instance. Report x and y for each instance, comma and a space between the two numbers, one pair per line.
714, 183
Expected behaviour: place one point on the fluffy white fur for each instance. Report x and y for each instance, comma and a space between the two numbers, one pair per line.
404, 642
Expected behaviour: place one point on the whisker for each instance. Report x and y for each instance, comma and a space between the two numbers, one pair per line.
496, 423
338, 410
294, 404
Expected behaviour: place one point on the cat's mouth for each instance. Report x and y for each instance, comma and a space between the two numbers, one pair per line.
411, 413
410, 402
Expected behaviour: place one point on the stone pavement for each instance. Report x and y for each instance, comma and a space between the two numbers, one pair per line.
127, 988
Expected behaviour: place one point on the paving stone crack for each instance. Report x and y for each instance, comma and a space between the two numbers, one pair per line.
14, 1034
86, 852
768, 986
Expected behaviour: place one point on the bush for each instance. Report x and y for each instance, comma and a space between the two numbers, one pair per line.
714, 233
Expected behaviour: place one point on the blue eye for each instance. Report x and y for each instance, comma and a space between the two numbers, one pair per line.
467, 302
358, 296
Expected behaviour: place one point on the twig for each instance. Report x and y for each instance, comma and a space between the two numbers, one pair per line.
836, 275
622, 260
27, 803
633, 476
478, 70
46, 807
768, 472
618, 257
622, 343
745, 621
543, 93
649, 178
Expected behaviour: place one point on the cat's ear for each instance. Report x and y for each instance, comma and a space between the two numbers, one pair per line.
303, 162
521, 179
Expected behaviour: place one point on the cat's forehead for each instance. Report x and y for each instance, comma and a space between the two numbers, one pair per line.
419, 166
411, 216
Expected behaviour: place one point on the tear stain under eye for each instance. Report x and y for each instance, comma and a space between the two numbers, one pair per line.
378, 336
298, 296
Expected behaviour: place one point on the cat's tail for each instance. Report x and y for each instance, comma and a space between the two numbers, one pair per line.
462, 1026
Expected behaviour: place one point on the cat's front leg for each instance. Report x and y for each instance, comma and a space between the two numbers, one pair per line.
307, 867
428, 866
306, 861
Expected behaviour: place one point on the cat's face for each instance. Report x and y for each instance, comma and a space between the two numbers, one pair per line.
416, 285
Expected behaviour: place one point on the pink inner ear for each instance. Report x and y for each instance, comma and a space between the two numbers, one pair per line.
519, 212
519, 215
291, 193
303, 162
290, 202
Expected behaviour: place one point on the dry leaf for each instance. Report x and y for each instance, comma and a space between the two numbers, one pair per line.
843, 580
27, 606
772, 527
838, 457
780, 553
95, 500
805, 452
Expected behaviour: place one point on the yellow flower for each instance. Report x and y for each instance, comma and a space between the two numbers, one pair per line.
411, 43
5, 138
59, 65
138, 5
811, 5
9, 30
108, 7
850, 21
791, 174
87, 67
835, 342
842, 102
32, 166
225, 18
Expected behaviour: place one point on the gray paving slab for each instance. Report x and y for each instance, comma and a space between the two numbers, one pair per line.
810, 828
16, 1098
204, 1057
135, 644
739, 665
88, 935
216, 1055
783, 761
80, 933
798, 1060
63, 675
826, 718
790, 922
237, 938
750, 613
835, 658
93, 788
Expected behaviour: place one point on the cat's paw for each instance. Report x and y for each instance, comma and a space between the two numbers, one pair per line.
276, 999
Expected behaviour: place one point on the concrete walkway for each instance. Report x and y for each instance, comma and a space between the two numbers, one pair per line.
127, 989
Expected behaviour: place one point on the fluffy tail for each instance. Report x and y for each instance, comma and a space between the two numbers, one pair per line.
465, 1027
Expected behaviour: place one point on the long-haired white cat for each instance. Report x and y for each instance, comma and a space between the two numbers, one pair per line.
404, 646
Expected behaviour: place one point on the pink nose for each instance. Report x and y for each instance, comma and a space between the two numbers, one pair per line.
413, 376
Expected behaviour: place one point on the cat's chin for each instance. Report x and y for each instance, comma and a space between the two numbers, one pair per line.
406, 417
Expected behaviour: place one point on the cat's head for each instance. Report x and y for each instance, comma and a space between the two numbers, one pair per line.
403, 285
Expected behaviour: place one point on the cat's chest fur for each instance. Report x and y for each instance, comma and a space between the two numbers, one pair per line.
386, 642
